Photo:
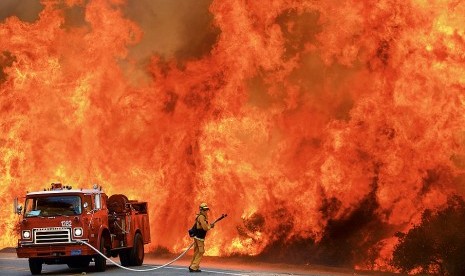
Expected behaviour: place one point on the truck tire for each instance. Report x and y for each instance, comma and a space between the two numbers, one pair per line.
137, 251
101, 262
35, 265
124, 257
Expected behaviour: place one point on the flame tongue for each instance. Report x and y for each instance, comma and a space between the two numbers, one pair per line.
292, 117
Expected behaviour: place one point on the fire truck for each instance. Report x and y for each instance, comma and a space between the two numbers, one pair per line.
56, 223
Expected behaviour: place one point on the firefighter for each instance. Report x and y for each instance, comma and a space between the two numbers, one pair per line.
199, 238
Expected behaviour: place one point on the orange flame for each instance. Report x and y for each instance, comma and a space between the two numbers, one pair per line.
287, 116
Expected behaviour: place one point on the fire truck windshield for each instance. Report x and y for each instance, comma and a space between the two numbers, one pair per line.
51, 206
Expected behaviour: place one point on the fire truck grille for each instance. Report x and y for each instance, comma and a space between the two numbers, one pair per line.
52, 235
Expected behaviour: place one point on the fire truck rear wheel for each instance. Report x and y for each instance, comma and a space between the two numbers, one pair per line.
101, 262
137, 252
35, 265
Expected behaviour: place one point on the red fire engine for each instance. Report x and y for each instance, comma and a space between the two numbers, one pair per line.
56, 220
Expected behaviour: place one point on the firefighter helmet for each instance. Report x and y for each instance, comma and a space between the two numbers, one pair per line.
204, 206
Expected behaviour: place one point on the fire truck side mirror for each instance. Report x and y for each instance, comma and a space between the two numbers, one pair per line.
98, 201
17, 208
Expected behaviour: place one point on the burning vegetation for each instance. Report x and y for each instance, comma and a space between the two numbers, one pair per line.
437, 244
322, 128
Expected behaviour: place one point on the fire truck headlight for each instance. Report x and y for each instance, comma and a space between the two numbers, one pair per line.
78, 232
26, 234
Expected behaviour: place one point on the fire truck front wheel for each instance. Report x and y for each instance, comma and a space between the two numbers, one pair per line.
35, 265
137, 251
101, 262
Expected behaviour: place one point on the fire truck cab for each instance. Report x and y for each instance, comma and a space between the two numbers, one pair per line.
54, 222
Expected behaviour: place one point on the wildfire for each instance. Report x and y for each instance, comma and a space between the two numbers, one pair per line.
294, 117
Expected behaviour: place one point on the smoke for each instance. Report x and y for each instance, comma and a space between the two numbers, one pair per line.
25, 10
173, 29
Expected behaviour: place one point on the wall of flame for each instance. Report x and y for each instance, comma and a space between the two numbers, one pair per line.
286, 115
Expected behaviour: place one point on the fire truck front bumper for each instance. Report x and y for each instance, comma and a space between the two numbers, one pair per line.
30, 250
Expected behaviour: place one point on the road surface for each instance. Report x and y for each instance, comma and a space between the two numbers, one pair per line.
11, 265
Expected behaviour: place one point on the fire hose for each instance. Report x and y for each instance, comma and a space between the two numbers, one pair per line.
132, 269
148, 269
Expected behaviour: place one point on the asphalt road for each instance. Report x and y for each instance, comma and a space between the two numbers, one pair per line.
11, 265
14, 266
20, 267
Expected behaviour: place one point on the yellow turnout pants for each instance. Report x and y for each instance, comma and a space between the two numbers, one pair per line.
199, 249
